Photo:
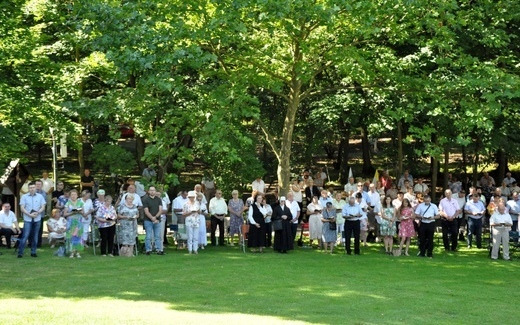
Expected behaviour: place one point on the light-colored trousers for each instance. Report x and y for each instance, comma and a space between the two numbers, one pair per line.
500, 236
193, 238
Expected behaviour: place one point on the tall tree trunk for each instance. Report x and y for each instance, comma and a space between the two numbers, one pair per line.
502, 166
399, 149
446, 165
139, 148
365, 145
344, 153
465, 168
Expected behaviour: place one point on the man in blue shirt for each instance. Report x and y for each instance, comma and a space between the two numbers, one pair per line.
427, 212
475, 211
32, 205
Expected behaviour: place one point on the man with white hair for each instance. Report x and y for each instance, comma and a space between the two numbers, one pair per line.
500, 222
295, 212
352, 214
449, 211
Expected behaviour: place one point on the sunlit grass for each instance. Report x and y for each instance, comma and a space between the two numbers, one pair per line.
224, 285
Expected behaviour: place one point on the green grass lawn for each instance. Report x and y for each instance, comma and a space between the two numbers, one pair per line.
222, 285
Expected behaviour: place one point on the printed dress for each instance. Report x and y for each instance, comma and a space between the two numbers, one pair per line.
406, 228
74, 231
127, 230
387, 228
236, 216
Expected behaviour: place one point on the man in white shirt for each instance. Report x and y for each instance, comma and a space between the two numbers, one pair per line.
352, 214
218, 210
209, 187
475, 211
8, 224
258, 185
351, 186
427, 212
295, 212
514, 209
420, 187
449, 211
398, 201
509, 179
461, 221
500, 222
177, 205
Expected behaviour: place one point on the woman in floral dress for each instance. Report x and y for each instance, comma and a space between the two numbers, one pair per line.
387, 226
406, 228
127, 231
236, 208
73, 211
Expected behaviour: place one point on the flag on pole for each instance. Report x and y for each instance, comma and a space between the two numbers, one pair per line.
376, 177
350, 174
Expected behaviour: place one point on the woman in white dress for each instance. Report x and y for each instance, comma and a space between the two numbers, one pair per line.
203, 234
57, 226
191, 211
315, 224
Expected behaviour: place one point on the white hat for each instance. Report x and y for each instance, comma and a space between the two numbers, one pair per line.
192, 194
282, 198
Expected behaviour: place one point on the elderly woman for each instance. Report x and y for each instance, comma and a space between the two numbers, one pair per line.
191, 211
88, 209
235, 207
329, 227
315, 225
73, 211
56, 226
127, 215
256, 216
338, 204
203, 233
106, 217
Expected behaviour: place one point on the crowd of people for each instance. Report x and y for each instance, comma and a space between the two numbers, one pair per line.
384, 210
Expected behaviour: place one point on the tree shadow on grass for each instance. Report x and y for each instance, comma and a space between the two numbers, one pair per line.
304, 285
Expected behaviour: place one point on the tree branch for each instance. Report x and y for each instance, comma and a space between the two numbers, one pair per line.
269, 138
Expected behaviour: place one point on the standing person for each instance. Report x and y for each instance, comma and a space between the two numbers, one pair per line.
152, 205
56, 226
352, 213
88, 209
127, 214
351, 186
338, 204
475, 210
57, 193
514, 209
32, 205
500, 222
310, 191
236, 208
165, 199
198, 190
406, 228
329, 227
177, 206
203, 233
297, 189
258, 185
47, 188
387, 226
449, 211
283, 238
363, 220
106, 217
268, 224
87, 181
8, 224
74, 214
256, 216
149, 174
386, 181
39, 190
218, 210
191, 212
461, 221
294, 206
314, 210
427, 212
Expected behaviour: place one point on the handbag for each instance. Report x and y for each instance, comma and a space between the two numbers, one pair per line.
277, 224
333, 226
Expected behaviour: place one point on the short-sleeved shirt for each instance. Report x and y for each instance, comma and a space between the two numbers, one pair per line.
352, 210
478, 207
32, 203
514, 209
426, 212
449, 206
153, 204
8, 219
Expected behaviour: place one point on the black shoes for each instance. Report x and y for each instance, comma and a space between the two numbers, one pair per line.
34, 255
